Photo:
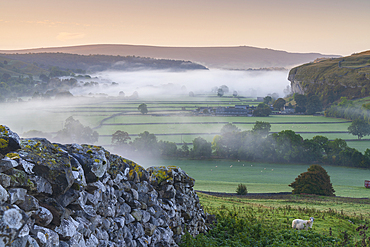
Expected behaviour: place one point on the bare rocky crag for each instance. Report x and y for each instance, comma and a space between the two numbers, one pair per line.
295, 85
82, 195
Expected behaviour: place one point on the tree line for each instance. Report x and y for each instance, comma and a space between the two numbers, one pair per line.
257, 144
347, 109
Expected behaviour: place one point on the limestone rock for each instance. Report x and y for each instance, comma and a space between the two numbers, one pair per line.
7, 164
45, 237
30, 203
4, 180
11, 223
9, 140
17, 195
92, 159
43, 216
51, 163
19, 178
68, 228
3, 195
42, 185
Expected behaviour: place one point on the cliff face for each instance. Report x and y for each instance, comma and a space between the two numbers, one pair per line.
295, 85
82, 195
331, 79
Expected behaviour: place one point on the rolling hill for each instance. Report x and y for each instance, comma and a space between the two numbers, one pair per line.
36, 62
240, 57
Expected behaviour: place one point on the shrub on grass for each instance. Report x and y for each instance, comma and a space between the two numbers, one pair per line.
241, 189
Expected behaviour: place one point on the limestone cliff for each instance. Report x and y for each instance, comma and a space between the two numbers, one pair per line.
295, 85
82, 195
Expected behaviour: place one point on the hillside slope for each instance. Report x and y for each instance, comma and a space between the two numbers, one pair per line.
333, 78
93, 63
16, 67
241, 57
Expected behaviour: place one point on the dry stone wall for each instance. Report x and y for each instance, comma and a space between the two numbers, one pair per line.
82, 195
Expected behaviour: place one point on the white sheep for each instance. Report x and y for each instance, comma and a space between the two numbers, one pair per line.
302, 224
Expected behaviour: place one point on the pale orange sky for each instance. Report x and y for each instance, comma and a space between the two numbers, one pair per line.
325, 26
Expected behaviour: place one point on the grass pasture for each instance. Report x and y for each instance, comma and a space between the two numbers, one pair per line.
224, 176
273, 216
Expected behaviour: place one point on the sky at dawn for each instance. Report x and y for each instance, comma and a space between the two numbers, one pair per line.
326, 26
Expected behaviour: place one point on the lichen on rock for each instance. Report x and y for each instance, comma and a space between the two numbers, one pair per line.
9, 140
49, 162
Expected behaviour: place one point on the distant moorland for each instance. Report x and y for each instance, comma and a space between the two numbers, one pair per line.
238, 57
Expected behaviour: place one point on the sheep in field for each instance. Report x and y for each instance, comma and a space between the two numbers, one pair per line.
302, 224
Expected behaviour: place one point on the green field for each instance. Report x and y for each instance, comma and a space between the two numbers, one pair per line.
224, 176
50, 117
166, 118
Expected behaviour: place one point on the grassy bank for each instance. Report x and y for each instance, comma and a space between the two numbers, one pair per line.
257, 221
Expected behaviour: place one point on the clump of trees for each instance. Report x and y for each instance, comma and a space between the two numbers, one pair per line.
257, 144
279, 104
262, 110
360, 115
315, 181
308, 104
348, 110
222, 90
74, 131
147, 144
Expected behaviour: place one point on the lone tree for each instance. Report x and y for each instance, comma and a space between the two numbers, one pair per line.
120, 138
359, 128
315, 181
143, 108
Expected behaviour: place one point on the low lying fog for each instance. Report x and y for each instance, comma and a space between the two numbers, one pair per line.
161, 83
